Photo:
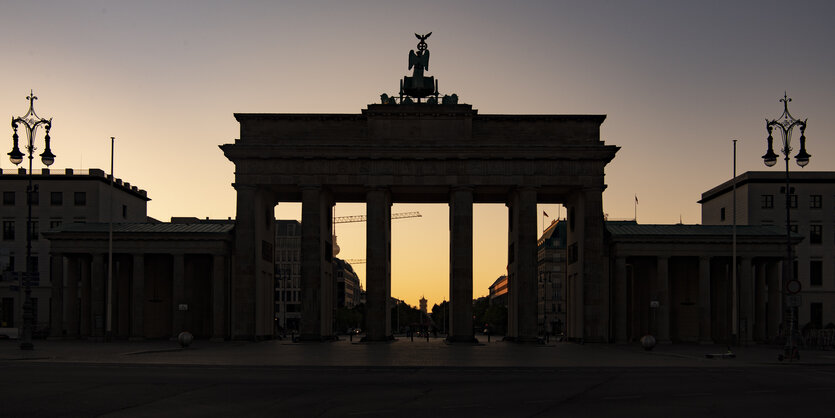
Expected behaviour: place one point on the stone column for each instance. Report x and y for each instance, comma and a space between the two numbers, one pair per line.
772, 276
760, 298
178, 295
378, 265
662, 292
137, 303
56, 320
97, 296
71, 311
461, 265
705, 319
595, 268
746, 300
522, 280
219, 282
620, 297
316, 268
253, 271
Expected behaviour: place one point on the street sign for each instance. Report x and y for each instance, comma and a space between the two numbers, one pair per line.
793, 287
794, 301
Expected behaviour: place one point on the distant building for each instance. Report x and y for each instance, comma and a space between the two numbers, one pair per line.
498, 291
288, 302
62, 197
551, 268
761, 200
348, 289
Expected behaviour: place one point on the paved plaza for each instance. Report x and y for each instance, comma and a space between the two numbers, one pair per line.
408, 378
403, 352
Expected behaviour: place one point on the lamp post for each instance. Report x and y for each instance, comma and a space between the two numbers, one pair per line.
30, 122
785, 124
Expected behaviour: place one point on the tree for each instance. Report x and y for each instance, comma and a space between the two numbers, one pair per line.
480, 307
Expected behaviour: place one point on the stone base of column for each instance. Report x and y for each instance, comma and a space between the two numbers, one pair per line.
452, 339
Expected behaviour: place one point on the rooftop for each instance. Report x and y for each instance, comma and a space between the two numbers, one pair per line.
797, 177
73, 174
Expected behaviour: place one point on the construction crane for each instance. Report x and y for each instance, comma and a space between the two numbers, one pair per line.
362, 218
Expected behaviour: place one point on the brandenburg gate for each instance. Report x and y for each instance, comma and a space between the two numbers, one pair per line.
418, 147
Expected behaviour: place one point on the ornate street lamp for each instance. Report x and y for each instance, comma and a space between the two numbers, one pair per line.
30, 122
785, 124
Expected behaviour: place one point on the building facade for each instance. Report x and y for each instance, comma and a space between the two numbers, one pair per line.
348, 288
166, 278
288, 299
498, 291
676, 282
61, 197
761, 200
552, 268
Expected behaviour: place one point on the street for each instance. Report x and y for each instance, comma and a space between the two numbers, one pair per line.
74, 389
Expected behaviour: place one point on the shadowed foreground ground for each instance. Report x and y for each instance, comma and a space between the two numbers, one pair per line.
420, 378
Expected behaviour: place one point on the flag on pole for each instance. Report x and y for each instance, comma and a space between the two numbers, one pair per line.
636, 199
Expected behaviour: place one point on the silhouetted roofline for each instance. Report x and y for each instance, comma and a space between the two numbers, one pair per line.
775, 177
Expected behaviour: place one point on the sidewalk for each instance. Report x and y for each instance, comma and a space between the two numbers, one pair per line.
400, 353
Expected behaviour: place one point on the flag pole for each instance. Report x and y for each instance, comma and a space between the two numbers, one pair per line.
109, 314
636, 209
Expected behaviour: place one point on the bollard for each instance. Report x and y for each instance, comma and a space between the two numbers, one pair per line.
185, 338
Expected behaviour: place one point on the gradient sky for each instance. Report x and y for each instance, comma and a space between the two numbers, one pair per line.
677, 79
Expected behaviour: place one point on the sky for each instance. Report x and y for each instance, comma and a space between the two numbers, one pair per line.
678, 80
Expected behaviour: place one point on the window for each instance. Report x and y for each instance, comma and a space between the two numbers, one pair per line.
767, 201
815, 201
793, 201
722, 214
55, 223
80, 198
816, 273
816, 315
36, 230
8, 230
56, 198
10, 266
8, 198
793, 228
35, 197
124, 211
815, 234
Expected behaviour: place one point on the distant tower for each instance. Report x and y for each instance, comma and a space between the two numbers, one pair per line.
423, 305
